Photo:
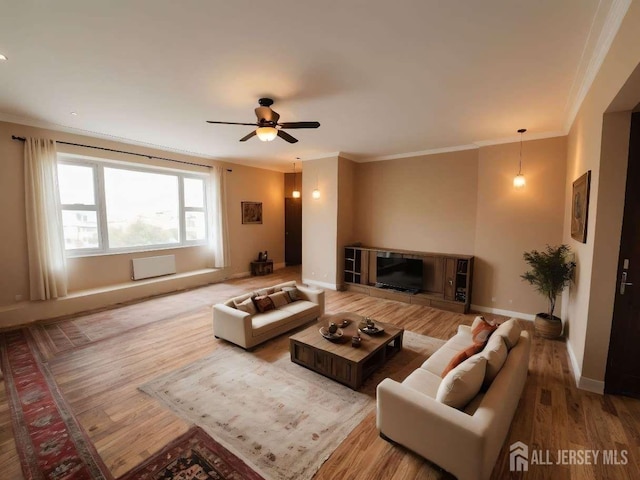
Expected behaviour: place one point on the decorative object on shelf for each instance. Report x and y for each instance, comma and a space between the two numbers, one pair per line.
296, 192
580, 207
251, 212
519, 181
551, 271
260, 257
333, 328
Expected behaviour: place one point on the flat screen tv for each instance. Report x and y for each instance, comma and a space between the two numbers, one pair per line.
397, 272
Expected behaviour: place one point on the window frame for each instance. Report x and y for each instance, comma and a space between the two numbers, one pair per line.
98, 167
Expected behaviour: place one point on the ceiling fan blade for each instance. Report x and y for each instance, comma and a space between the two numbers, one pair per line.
247, 137
265, 114
231, 123
299, 125
287, 137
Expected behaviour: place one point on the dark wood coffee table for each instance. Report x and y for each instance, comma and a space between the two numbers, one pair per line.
338, 360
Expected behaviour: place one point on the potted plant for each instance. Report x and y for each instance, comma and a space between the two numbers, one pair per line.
551, 271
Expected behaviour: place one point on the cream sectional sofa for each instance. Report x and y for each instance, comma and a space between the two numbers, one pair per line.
248, 330
465, 441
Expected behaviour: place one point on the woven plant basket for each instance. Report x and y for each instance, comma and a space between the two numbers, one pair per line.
548, 326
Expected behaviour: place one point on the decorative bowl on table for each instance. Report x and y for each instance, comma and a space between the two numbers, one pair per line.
324, 331
371, 329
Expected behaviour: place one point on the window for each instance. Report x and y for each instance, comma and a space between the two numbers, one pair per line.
113, 208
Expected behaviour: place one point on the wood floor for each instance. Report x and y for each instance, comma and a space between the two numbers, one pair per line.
99, 359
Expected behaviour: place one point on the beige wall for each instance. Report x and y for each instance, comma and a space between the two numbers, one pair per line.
244, 183
588, 315
319, 222
425, 203
510, 221
346, 212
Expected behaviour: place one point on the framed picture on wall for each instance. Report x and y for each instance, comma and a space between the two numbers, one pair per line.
251, 212
580, 207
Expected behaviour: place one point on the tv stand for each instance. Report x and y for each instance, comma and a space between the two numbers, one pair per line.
447, 278
411, 291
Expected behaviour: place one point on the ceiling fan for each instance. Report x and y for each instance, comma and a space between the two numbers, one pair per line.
268, 126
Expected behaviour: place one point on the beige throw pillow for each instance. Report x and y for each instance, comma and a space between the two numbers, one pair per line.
496, 354
462, 383
280, 299
510, 332
293, 293
246, 305
264, 291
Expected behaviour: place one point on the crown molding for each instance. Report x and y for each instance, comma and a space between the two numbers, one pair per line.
420, 153
612, 22
29, 122
516, 138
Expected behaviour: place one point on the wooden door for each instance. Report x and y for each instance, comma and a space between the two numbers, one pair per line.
623, 363
292, 231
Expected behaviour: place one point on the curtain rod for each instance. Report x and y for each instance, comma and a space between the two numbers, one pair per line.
22, 139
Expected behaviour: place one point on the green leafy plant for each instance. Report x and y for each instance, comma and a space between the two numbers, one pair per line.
551, 271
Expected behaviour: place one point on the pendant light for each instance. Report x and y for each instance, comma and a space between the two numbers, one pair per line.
316, 192
519, 181
296, 192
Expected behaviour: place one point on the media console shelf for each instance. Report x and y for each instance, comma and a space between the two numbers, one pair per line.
446, 278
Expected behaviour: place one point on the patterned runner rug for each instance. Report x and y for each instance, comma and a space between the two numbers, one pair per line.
193, 456
50, 441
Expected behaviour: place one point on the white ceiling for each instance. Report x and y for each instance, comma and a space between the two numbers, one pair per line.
382, 77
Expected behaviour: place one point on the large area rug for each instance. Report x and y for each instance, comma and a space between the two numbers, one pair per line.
193, 456
50, 441
282, 419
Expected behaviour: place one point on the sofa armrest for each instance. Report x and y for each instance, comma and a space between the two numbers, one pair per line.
232, 324
314, 295
464, 329
432, 429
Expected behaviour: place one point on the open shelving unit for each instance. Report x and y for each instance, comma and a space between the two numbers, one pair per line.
447, 278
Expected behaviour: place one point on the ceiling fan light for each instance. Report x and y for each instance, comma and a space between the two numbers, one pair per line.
266, 134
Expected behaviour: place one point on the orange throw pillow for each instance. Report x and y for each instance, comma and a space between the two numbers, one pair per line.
461, 357
482, 331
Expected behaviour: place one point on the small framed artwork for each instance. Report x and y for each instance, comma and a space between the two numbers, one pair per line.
251, 212
580, 207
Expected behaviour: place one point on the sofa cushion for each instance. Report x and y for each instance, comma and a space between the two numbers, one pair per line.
510, 332
496, 354
423, 381
437, 362
462, 383
240, 298
264, 291
264, 322
280, 299
462, 355
481, 330
264, 303
293, 293
301, 306
246, 305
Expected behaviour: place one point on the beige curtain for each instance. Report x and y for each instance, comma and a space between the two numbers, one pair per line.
45, 240
218, 227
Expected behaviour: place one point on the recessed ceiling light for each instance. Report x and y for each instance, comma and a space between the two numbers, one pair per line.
2, 57
75, 114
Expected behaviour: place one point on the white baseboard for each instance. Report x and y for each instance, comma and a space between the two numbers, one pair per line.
506, 313
583, 383
330, 286
240, 275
